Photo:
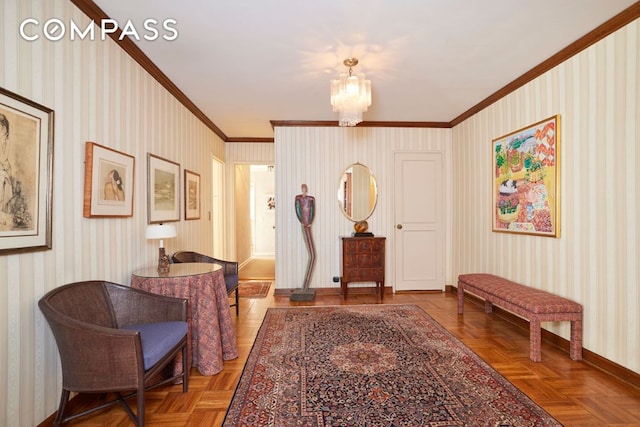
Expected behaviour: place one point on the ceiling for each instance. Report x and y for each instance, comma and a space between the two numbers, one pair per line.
245, 63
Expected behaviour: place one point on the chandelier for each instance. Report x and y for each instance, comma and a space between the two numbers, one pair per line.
350, 95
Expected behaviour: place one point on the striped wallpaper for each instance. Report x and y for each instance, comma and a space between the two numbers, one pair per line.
317, 156
595, 260
98, 94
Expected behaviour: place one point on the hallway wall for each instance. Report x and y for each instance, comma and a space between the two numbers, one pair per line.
318, 156
242, 198
98, 94
263, 181
595, 259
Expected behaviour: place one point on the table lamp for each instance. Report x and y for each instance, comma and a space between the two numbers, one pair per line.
161, 231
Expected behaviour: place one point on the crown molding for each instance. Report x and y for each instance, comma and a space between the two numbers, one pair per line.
612, 25
96, 14
365, 124
625, 17
249, 139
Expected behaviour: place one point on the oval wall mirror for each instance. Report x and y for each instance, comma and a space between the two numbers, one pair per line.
357, 193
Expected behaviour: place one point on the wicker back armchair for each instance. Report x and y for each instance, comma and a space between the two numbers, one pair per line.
113, 338
229, 270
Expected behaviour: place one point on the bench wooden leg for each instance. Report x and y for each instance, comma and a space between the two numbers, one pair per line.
488, 306
460, 299
534, 340
575, 347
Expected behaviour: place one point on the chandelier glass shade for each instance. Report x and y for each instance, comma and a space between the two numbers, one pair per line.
350, 95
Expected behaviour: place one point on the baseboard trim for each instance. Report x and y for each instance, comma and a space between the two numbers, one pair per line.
589, 357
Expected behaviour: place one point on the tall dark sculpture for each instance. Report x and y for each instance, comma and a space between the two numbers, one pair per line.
305, 211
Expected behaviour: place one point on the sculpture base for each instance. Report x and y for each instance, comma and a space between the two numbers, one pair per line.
302, 295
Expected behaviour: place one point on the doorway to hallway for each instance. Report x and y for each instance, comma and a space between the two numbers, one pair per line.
255, 206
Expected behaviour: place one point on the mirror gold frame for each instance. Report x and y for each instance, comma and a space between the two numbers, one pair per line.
357, 193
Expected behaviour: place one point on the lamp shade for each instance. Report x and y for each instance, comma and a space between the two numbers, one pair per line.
160, 231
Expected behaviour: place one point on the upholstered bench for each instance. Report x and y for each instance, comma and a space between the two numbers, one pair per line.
532, 304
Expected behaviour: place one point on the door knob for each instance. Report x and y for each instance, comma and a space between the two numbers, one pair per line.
399, 226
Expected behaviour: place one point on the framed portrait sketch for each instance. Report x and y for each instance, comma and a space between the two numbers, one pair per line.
163, 190
26, 174
108, 182
525, 183
191, 195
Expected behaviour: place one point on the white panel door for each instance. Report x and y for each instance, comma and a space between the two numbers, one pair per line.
418, 238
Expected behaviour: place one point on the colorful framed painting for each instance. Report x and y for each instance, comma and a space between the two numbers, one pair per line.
108, 182
163, 190
525, 184
26, 174
191, 195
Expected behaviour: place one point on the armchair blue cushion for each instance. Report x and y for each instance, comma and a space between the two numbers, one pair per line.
158, 339
113, 338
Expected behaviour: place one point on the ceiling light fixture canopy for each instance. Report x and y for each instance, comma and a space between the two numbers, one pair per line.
350, 95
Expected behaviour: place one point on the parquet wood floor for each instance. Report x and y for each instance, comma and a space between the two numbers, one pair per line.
258, 269
575, 393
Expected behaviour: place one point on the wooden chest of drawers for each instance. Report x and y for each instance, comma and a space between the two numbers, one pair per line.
363, 261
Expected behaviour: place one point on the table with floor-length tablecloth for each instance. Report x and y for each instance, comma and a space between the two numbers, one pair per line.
212, 335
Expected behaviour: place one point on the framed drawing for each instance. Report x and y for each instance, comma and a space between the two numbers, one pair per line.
163, 190
271, 202
525, 180
108, 182
191, 195
26, 174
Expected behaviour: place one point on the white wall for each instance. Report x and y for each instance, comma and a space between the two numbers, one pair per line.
595, 260
265, 219
98, 94
318, 156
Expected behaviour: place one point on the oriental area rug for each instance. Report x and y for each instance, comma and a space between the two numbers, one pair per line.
253, 289
371, 365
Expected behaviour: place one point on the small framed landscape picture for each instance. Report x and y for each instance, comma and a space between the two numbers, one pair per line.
163, 190
191, 195
108, 182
